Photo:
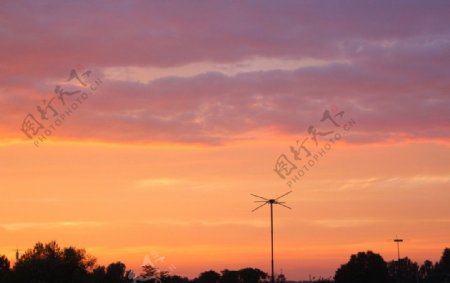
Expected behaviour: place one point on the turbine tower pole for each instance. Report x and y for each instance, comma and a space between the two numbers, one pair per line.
271, 239
271, 202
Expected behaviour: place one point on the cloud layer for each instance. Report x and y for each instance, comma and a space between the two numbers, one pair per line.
385, 64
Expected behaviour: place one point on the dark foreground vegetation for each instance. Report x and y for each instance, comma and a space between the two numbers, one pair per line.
49, 263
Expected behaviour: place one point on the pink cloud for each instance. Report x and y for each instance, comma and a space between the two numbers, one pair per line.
396, 82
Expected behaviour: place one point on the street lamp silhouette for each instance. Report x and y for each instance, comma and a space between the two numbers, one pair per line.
271, 202
398, 241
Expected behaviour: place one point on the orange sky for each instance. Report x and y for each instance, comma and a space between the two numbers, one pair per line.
192, 204
196, 105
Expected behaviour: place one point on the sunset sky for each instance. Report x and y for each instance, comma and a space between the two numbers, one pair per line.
191, 105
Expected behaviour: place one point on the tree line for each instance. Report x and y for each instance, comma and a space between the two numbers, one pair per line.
369, 267
50, 263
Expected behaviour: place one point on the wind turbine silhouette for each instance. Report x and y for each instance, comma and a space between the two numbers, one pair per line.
271, 202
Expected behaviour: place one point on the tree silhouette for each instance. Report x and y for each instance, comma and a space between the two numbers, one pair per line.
403, 271
175, 279
252, 275
230, 276
426, 271
150, 272
4, 269
50, 264
116, 273
245, 275
98, 275
442, 271
208, 277
366, 267
281, 278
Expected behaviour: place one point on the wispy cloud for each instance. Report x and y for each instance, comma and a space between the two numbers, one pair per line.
147, 74
171, 184
17, 226
398, 182
210, 222
345, 223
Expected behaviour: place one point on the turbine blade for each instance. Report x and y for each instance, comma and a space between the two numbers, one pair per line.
284, 205
260, 201
283, 195
259, 197
260, 206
